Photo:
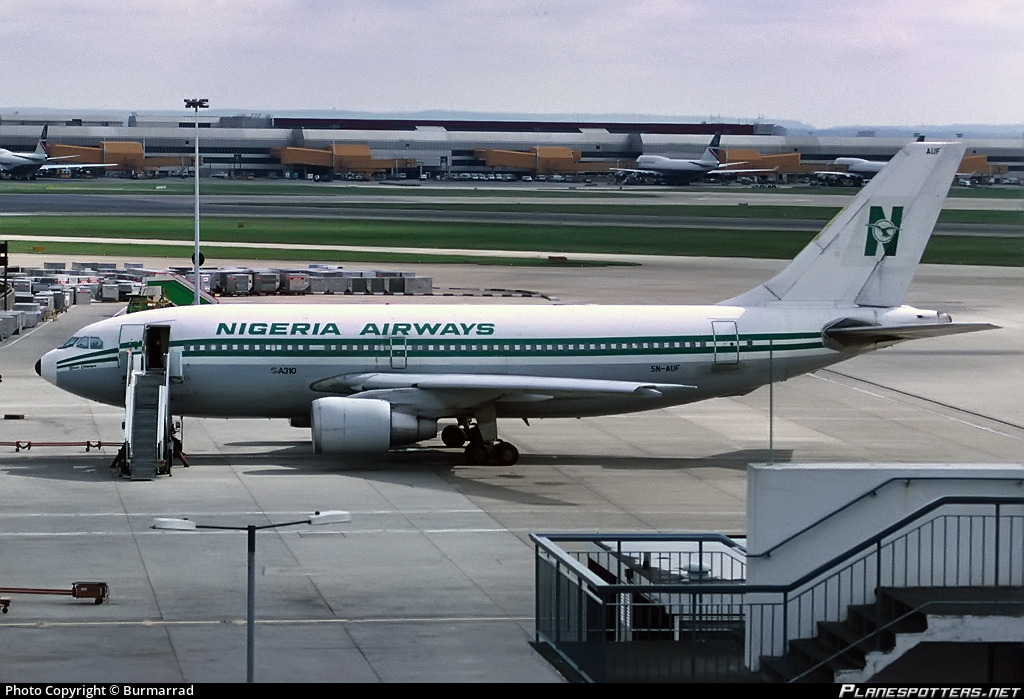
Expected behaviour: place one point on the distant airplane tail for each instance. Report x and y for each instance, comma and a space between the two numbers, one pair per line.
867, 255
41, 145
710, 157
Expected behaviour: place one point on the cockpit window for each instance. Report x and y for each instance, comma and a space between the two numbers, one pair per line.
84, 343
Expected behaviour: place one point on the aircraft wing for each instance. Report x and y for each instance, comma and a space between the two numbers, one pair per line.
50, 165
634, 171
865, 335
444, 393
750, 171
838, 174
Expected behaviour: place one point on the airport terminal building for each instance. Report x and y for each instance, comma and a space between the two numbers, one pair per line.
328, 147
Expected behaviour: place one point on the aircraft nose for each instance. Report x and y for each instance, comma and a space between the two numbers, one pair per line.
46, 367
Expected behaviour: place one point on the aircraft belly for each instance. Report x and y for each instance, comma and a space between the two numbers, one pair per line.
245, 390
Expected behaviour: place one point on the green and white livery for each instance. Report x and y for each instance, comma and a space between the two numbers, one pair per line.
367, 378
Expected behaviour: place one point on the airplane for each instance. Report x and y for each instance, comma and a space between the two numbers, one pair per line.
857, 170
681, 170
367, 379
27, 165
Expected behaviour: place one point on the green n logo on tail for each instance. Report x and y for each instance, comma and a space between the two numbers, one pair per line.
884, 230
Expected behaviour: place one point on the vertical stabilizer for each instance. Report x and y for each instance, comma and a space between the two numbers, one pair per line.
41, 145
868, 253
710, 157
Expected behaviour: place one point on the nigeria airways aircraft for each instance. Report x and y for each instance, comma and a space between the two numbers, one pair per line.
369, 378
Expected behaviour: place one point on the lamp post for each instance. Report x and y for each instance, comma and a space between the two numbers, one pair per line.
315, 519
196, 104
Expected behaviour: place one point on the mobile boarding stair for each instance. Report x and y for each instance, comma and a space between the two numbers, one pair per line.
149, 445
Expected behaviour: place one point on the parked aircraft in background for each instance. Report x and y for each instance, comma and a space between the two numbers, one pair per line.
857, 170
27, 165
681, 170
367, 378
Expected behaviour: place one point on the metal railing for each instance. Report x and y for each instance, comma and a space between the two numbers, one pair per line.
677, 608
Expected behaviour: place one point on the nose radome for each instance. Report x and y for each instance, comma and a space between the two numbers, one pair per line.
47, 368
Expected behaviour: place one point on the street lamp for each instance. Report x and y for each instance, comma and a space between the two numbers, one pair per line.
315, 519
196, 104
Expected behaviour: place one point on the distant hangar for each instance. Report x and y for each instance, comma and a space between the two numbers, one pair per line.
261, 146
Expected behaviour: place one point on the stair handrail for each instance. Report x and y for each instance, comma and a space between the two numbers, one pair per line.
135, 364
877, 538
872, 492
163, 410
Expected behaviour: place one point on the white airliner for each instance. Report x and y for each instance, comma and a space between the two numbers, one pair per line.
26, 165
682, 170
369, 378
857, 170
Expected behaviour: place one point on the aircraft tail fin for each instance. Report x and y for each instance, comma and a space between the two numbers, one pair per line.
710, 156
867, 255
41, 145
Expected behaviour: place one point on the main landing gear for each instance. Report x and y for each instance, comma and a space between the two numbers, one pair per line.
479, 451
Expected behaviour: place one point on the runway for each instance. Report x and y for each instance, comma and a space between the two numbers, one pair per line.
347, 202
432, 579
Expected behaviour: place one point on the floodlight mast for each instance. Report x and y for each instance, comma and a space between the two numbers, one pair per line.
196, 104
316, 519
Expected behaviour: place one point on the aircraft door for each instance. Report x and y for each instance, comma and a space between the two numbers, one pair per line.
129, 341
726, 343
393, 352
399, 352
156, 343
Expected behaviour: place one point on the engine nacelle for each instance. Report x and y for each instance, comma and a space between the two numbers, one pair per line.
363, 426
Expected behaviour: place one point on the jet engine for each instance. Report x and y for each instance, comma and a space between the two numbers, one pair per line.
364, 426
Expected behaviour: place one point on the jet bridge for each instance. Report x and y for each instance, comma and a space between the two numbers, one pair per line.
149, 365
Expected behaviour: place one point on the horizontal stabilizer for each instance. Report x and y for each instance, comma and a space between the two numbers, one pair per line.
866, 335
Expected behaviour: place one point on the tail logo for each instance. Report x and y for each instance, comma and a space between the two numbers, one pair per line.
884, 230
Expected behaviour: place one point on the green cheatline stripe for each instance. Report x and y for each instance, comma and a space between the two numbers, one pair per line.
104, 357
373, 346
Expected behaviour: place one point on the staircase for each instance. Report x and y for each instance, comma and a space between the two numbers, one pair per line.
147, 438
144, 457
873, 636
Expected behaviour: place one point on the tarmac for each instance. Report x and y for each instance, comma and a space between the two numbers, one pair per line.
432, 580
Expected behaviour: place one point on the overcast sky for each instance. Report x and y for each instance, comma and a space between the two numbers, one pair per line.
823, 62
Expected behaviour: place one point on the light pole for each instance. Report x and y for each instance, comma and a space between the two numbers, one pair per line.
315, 519
196, 104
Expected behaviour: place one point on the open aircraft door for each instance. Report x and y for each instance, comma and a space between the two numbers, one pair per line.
129, 341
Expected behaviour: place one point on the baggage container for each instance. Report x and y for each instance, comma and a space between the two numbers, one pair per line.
265, 282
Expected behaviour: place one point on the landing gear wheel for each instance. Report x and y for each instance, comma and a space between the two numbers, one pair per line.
453, 436
505, 454
477, 453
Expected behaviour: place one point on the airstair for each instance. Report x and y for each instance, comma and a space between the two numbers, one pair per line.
148, 446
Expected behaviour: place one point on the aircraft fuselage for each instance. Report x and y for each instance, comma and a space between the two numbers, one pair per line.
267, 360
